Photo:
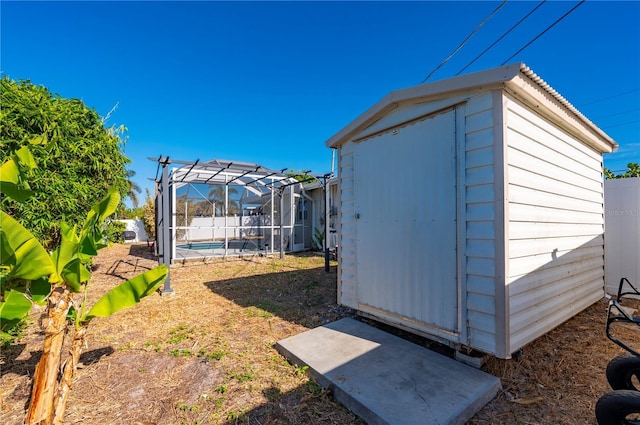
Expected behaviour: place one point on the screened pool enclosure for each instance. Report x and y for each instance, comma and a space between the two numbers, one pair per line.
218, 208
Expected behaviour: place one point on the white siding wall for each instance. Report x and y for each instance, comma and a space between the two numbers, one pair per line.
555, 225
622, 235
481, 227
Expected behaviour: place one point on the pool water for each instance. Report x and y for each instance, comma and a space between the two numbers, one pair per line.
202, 245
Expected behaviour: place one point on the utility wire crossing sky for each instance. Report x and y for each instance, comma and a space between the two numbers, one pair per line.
270, 82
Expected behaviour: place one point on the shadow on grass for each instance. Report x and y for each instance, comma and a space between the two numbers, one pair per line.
307, 297
307, 404
142, 250
27, 366
9, 357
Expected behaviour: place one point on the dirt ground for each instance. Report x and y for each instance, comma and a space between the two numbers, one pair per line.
206, 354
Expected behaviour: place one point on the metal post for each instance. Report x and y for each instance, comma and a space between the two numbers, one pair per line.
325, 192
165, 257
226, 209
273, 212
281, 229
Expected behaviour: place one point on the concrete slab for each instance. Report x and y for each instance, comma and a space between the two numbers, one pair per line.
385, 379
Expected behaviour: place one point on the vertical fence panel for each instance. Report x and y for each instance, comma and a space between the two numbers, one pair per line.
622, 231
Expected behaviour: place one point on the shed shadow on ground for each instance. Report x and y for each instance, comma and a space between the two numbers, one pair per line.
306, 297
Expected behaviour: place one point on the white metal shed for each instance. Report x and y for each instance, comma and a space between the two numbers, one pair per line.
471, 210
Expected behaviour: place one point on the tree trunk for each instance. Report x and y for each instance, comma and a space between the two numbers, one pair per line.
45, 378
69, 371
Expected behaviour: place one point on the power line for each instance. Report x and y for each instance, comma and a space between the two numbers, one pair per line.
501, 37
622, 124
609, 97
547, 29
465, 41
616, 114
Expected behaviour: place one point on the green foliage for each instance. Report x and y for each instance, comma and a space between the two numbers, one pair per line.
21, 256
128, 293
133, 213
149, 216
27, 271
300, 370
114, 230
302, 176
132, 188
13, 333
181, 352
317, 240
179, 334
217, 196
633, 170
80, 161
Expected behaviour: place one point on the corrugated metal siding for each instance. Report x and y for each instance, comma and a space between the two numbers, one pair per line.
622, 231
347, 229
480, 218
405, 185
555, 228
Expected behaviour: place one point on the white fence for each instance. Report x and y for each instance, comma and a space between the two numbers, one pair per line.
209, 228
136, 226
622, 232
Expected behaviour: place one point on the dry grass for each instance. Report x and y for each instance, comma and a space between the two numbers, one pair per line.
206, 354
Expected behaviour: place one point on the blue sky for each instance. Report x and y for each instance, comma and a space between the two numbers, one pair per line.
270, 82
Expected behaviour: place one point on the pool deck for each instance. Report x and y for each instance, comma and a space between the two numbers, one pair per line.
236, 248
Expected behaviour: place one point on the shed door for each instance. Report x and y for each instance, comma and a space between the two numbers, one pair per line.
405, 192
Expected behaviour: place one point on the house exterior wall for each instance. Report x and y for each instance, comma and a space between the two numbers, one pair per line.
622, 236
318, 214
555, 225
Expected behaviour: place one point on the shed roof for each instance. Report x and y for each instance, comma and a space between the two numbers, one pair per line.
518, 79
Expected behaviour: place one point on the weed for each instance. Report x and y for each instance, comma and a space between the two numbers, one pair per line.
257, 312
214, 355
238, 415
311, 286
244, 376
300, 370
313, 387
155, 345
221, 389
271, 306
272, 394
219, 402
14, 333
179, 352
186, 408
178, 334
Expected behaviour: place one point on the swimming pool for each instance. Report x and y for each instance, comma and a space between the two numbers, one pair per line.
202, 245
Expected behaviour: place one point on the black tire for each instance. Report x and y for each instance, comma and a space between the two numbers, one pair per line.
621, 370
614, 408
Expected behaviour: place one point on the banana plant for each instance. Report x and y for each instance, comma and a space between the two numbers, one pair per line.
30, 275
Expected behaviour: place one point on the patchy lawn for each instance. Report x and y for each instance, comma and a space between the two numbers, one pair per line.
206, 354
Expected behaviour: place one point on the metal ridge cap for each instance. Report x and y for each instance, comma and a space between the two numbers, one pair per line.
529, 73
